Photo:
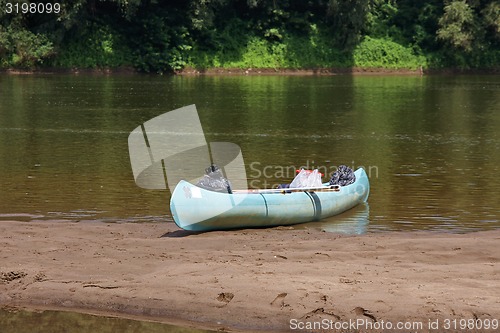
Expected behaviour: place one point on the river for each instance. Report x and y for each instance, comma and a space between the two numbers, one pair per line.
430, 144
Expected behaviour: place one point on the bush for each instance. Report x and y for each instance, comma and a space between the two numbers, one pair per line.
160, 43
98, 46
23, 49
314, 51
384, 53
258, 52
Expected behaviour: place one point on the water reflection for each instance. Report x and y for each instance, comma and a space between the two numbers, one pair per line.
352, 222
62, 322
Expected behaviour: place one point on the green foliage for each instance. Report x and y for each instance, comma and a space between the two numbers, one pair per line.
258, 52
470, 33
225, 48
408, 22
166, 36
97, 46
458, 26
312, 52
379, 21
23, 48
347, 19
491, 15
384, 53
159, 39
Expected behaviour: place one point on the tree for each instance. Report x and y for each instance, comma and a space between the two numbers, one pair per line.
458, 27
20, 45
347, 19
491, 20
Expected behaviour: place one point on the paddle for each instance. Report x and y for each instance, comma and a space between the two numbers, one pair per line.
328, 188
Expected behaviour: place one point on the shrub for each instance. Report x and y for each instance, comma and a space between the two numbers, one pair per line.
23, 48
97, 46
384, 53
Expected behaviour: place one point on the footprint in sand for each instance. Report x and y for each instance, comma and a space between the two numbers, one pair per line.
279, 300
11, 276
225, 297
364, 312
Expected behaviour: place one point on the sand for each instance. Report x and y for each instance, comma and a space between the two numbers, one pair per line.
279, 279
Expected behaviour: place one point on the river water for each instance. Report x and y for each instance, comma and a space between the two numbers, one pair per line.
20, 321
431, 144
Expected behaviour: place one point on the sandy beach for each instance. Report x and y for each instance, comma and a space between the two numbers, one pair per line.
279, 279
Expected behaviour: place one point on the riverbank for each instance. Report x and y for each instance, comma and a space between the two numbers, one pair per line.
249, 280
259, 71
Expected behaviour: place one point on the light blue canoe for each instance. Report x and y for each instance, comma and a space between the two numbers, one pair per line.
194, 208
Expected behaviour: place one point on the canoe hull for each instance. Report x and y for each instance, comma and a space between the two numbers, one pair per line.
197, 209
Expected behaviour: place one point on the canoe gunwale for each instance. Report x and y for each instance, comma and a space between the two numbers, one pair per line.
324, 188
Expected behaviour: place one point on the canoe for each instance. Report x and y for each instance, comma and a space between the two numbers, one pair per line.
197, 209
